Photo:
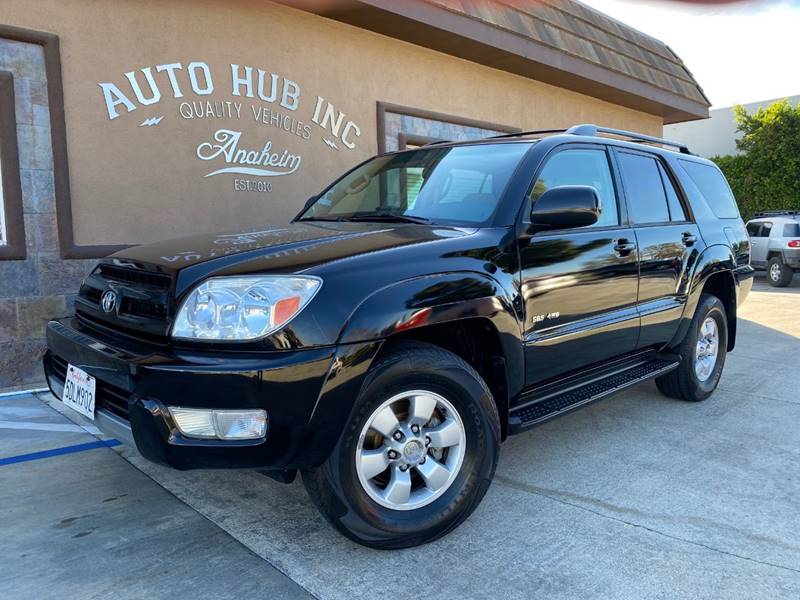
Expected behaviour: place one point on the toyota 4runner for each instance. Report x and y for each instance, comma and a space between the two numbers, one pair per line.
425, 306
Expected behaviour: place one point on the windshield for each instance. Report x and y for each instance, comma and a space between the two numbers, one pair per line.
441, 185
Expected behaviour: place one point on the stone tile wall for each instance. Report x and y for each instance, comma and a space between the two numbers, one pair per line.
41, 287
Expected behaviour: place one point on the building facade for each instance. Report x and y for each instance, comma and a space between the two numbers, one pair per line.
124, 123
717, 135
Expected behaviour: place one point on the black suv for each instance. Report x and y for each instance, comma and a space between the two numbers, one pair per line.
425, 306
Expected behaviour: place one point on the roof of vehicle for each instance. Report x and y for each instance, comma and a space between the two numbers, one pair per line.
778, 215
587, 133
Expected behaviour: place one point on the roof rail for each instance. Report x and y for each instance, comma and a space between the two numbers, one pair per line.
592, 131
521, 133
776, 213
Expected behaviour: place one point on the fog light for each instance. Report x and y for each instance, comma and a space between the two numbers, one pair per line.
220, 424
240, 424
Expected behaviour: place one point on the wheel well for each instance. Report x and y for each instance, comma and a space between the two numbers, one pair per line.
774, 254
477, 342
722, 286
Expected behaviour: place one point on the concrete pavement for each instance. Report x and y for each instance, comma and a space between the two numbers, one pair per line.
638, 496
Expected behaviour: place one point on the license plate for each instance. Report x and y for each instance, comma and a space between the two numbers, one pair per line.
79, 391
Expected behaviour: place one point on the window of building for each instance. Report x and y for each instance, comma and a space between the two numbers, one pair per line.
12, 224
582, 166
647, 200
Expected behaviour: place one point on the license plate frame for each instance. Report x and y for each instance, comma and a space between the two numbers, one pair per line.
80, 391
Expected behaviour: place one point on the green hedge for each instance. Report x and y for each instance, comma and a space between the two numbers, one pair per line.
766, 175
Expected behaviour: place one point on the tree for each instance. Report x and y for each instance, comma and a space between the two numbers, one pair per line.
766, 173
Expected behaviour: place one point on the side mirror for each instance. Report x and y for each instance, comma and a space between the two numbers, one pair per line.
565, 207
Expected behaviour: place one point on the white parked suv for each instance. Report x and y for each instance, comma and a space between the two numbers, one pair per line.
775, 245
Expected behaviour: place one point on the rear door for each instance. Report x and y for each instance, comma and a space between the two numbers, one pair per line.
667, 240
578, 285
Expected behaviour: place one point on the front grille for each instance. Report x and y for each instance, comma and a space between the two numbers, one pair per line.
107, 396
135, 276
143, 308
143, 297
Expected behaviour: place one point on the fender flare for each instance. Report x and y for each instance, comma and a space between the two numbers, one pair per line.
440, 298
713, 260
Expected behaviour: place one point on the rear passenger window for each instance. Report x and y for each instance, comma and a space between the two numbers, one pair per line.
644, 189
766, 229
791, 230
676, 212
712, 185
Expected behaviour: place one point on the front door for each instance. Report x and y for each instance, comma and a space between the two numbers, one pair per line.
579, 286
759, 242
668, 243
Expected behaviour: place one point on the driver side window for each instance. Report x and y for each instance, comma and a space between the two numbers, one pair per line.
581, 166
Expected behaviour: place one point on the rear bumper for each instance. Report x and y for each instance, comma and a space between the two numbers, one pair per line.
792, 258
136, 383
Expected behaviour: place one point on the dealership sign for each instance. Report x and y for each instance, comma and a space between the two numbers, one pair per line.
243, 95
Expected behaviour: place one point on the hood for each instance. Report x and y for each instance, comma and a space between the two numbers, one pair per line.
293, 248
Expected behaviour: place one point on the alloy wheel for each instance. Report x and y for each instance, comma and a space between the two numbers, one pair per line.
705, 357
410, 450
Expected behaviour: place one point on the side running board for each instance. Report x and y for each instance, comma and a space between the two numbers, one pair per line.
555, 404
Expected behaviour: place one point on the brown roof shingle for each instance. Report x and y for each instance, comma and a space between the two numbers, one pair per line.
561, 42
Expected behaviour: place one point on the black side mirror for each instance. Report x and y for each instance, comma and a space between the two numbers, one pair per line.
565, 207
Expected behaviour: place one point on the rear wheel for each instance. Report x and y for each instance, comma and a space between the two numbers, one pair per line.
702, 352
778, 274
418, 454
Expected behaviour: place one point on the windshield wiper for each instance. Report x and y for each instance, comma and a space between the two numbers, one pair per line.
390, 218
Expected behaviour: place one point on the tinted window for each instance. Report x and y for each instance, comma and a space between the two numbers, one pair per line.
582, 166
643, 188
791, 230
676, 212
712, 185
766, 229
753, 229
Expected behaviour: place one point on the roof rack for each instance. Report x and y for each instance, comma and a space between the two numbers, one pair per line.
776, 213
593, 130
521, 133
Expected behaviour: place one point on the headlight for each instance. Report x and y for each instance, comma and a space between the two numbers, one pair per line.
242, 308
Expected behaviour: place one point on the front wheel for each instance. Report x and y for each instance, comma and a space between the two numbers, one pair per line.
778, 274
418, 454
702, 352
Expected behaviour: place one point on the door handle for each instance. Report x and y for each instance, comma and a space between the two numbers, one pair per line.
688, 238
623, 247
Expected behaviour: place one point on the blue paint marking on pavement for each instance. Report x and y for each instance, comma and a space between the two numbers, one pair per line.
58, 451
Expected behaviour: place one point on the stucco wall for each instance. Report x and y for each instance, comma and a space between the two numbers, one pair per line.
133, 183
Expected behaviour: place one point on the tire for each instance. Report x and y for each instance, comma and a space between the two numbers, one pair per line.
778, 274
685, 382
357, 505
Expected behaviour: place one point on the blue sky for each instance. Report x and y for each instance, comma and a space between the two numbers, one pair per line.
739, 52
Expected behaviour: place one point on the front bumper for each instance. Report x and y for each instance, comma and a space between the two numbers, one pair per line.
136, 381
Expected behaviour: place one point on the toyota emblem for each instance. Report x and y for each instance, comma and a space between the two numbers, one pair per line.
109, 301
